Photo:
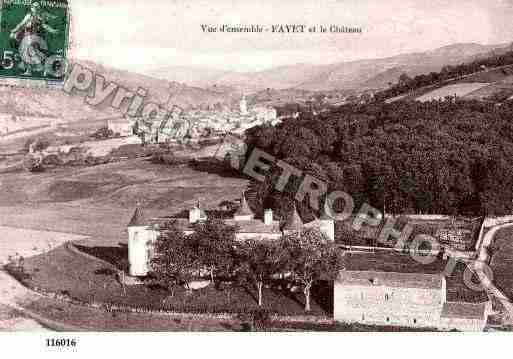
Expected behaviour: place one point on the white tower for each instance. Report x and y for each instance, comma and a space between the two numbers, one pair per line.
243, 105
327, 221
196, 214
140, 240
268, 217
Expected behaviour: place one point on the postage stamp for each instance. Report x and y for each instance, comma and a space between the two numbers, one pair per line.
33, 39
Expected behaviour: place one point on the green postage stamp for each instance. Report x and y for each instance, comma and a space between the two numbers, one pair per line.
34, 39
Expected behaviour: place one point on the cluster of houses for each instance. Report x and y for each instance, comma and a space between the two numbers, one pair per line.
196, 123
377, 287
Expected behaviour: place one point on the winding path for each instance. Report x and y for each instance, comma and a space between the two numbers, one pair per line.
481, 267
26, 243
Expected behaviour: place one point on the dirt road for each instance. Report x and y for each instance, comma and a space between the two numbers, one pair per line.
14, 243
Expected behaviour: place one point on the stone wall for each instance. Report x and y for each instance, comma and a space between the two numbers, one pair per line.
461, 324
388, 305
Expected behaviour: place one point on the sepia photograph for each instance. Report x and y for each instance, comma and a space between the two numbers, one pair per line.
231, 166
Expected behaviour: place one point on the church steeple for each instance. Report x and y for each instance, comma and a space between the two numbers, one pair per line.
327, 220
327, 211
243, 212
137, 219
243, 105
294, 222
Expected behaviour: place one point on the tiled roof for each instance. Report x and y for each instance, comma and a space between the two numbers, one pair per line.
137, 219
463, 310
251, 226
294, 222
244, 209
391, 279
387, 261
327, 212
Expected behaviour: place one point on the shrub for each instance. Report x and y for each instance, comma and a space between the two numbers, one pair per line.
163, 156
103, 133
33, 164
52, 160
37, 144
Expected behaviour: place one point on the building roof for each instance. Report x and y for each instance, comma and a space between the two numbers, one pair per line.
463, 310
294, 222
382, 260
327, 211
391, 279
250, 226
244, 209
137, 219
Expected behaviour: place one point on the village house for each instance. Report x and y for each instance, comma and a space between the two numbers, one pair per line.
121, 126
195, 123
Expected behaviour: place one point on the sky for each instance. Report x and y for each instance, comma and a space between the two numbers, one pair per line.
143, 35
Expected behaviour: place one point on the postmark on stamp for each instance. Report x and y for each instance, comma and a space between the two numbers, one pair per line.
34, 39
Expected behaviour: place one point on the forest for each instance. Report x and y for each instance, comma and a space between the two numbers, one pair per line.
441, 157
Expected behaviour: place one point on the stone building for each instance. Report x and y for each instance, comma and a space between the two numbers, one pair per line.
390, 298
388, 288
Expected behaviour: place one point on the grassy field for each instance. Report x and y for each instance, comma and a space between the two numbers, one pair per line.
502, 261
99, 200
66, 272
460, 90
69, 273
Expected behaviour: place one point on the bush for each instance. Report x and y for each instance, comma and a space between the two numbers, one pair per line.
33, 164
103, 133
163, 156
37, 144
52, 160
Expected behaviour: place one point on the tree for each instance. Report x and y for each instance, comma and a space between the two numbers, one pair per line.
175, 260
260, 260
214, 243
36, 144
103, 133
311, 257
404, 79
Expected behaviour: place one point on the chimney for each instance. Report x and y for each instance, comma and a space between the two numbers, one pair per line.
268, 217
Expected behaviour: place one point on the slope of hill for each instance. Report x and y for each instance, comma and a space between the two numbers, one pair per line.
495, 84
192, 76
162, 91
375, 74
45, 102
360, 74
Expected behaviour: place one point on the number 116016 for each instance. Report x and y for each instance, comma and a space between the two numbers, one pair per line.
61, 342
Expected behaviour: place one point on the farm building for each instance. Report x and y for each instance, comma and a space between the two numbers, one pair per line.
389, 288
121, 126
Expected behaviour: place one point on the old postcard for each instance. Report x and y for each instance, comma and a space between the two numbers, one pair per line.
341, 166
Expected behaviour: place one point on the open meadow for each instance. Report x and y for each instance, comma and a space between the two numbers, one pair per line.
99, 200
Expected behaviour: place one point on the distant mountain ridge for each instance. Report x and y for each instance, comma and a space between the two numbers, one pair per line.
353, 75
53, 102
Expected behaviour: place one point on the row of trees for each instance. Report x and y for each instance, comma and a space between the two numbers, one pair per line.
406, 83
213, 251
441, 157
